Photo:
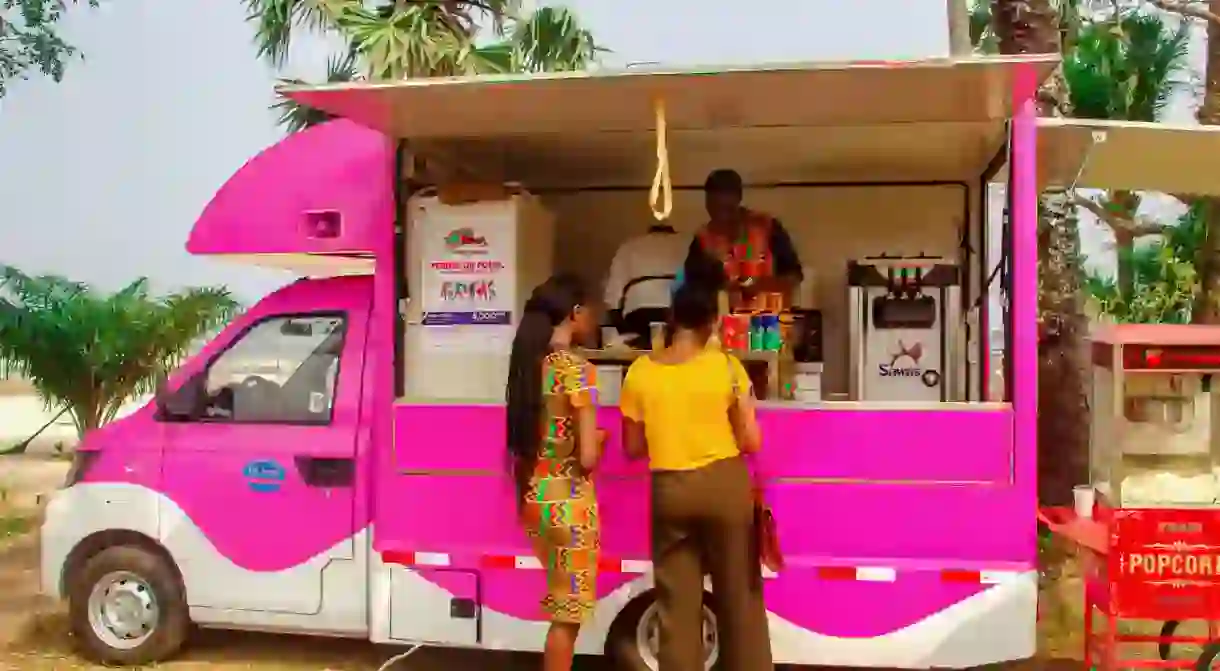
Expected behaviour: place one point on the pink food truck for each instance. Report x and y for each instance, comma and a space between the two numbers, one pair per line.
334, 461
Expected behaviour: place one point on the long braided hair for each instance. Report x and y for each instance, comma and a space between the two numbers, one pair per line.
549, 305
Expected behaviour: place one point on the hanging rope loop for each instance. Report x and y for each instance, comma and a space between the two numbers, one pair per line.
661, 196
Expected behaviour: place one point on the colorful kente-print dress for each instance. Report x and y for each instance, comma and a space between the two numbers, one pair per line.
560, 508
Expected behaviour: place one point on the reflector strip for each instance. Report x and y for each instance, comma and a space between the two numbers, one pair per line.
860, 573
614, 565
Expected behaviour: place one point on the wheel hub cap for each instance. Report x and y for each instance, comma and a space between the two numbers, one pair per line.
122, 610
648, 638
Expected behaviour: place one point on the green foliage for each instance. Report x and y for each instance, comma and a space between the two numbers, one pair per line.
1164, 277
29, 39
91, 351
981, 34
396, 39
294, 117
1125, 69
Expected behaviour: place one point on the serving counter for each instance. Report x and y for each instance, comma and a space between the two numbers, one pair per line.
884, 443
763, 366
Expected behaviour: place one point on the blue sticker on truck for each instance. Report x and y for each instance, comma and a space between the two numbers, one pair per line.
264, 475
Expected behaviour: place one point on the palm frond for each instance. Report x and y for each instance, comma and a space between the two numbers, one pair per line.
293, 116
400, 40
437, 38
93, 351
552, 39
1125, 68
276, 20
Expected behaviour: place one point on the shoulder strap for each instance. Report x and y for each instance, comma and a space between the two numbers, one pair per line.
732, 371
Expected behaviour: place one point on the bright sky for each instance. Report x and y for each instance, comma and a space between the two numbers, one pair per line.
102, 176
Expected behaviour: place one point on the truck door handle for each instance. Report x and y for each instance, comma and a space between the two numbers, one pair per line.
326, 471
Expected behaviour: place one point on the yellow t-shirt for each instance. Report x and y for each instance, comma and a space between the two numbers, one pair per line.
685, 408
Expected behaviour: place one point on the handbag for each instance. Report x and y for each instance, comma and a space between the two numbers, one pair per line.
766, 534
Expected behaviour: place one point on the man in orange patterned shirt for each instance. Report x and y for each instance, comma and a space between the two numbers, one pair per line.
740, 250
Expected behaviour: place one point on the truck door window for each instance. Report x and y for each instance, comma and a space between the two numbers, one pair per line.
281, 371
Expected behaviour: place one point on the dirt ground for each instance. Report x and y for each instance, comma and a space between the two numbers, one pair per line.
34, 634
34, 637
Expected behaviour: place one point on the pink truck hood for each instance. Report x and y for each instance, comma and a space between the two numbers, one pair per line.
326, 190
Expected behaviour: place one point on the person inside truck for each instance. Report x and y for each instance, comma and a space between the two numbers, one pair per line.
554, 444
739, 250
641, 278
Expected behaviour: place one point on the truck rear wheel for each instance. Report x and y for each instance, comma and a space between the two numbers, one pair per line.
633, 641
126, 607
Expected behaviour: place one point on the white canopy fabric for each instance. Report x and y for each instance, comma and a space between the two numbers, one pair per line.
931, 120
846, 122
1130, 155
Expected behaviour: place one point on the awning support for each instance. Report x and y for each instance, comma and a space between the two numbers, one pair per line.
1095, 138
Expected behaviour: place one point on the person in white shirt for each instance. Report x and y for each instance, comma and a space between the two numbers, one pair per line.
640, 283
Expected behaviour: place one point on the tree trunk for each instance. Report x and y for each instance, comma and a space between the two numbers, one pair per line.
1033, 27
1063, 410
1207, 306
1125, 204
959, 27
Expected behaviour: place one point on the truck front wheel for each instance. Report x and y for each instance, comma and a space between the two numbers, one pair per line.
632, 641
126, 607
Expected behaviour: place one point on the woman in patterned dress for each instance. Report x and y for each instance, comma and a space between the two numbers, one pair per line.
555, 444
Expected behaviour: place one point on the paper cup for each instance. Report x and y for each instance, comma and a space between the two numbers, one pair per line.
1083, 496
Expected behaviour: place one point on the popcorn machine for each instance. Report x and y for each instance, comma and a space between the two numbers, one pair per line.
1152, 533
1152, 443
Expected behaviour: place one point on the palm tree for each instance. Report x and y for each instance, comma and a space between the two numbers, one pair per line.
1124, 68
396, 39
92, 352
1040, 27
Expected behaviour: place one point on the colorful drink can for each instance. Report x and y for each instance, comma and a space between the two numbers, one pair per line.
771, 338
757, 333
735, 332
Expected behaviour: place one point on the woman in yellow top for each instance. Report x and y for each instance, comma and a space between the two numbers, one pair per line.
690, 410
555, 445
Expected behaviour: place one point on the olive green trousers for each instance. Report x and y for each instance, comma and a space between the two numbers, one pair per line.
703, 524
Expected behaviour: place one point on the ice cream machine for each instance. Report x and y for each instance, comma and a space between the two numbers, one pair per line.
904, 316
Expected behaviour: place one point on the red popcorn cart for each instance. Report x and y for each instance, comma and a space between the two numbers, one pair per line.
1149, 521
